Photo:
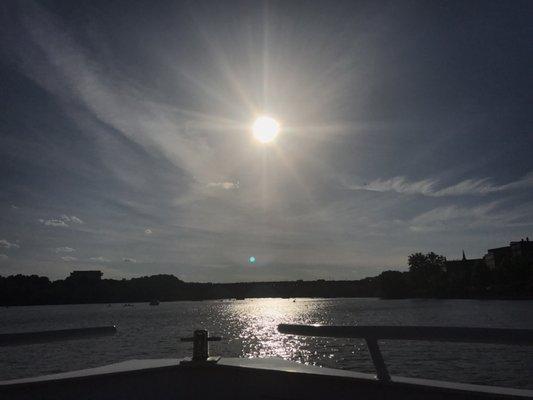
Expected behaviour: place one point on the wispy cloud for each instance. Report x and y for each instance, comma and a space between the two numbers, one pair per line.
73, 219
64, 249
68, 258
64, 221
163, 130
429, 187
129, 260
5, 244
223, 185
398, 184
487, 215
54, 222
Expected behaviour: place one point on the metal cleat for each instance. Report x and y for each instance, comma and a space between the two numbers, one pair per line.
200, 352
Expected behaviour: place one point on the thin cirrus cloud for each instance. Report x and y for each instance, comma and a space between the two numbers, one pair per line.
456, 217
113, 101
54, 222
64, 249
63, 221
427, 187
5, 244
223, 185
68, 258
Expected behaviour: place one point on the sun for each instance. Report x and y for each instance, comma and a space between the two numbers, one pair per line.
265, 129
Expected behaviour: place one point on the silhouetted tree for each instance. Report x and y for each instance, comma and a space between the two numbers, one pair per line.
481, 279
394, 284
427, 274
513, 275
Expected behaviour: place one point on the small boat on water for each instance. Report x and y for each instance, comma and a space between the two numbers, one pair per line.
208, 377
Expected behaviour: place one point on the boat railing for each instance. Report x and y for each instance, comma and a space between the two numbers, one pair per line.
372, 334
22, 338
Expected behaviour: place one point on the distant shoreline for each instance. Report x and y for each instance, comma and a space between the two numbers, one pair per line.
276, 298
34, 290
430, 276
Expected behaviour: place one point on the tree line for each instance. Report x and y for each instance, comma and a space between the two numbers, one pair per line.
429, 276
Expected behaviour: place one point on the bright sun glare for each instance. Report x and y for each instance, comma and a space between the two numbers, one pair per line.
265, 129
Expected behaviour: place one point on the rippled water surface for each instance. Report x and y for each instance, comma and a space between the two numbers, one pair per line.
249, 330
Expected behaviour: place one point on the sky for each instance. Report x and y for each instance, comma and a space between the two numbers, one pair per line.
126, 144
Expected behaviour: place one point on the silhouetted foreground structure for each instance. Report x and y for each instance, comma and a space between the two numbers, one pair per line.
206, 377
505, 272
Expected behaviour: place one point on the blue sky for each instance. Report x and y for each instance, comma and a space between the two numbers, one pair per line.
126, 146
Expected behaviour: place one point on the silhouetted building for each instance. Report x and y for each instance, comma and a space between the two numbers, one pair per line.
461, 266
86, 276
495, 256
523, 248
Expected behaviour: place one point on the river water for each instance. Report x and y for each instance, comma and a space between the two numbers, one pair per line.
249, 330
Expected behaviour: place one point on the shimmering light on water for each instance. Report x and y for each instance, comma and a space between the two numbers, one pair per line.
249, 329
257, 323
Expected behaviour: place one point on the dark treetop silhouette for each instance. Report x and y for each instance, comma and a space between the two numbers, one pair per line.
429, 275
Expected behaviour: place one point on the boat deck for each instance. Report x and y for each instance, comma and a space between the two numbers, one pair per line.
237, 378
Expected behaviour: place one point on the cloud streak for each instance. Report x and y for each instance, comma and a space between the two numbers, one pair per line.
155, 126
223, 185
5, 244
429, 187
64, 221
54, 222
64, 249
456, 217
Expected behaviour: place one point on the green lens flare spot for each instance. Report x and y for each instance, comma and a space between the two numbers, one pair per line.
251, 260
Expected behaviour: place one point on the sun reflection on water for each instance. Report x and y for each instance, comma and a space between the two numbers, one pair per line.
257, 321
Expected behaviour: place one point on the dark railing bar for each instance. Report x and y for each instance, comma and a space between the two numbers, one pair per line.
425, 333
371, 334
16, 339
382, 372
